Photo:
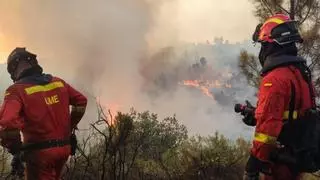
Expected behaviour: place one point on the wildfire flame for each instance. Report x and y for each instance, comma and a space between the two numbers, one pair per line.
114, 108
205, 85
110, 110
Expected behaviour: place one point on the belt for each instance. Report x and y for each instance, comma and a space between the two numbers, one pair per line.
45, 144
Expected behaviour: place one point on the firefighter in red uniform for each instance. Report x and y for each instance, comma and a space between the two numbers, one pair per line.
285, 94
38, 106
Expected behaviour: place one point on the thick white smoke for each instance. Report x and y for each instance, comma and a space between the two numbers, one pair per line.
99, 46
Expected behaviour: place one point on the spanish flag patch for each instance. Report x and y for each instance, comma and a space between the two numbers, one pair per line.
267, 84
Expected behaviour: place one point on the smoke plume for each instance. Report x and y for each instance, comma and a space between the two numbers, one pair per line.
103, 47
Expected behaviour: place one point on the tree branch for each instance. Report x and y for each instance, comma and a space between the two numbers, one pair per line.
266, 5
308, 12
292, 9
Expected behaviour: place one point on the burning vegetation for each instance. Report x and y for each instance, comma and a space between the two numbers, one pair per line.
166, 70
205, 85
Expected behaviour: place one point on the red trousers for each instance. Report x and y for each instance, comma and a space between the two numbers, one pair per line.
46, 164
281, 172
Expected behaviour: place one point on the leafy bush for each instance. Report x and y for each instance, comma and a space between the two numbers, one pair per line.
139, 146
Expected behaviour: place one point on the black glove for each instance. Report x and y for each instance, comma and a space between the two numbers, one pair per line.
17, 165
248, 114
251, 176
73, 143
14, 149
254, 166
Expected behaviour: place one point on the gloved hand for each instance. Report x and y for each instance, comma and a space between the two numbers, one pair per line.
253, 168
248, 114
251, 176
17, 165
15, 148
73, 143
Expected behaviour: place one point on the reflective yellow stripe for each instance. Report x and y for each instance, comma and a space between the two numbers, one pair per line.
43, 88
286, 115
263, 138
274, 20
267, 84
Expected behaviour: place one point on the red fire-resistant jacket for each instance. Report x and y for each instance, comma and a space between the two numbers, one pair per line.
273, 106
39, 107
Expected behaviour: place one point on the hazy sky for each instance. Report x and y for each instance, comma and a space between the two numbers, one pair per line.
199, 20
175, 20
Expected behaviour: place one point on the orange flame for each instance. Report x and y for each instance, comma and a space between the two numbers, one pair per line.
110, 110
205, 86
114, 108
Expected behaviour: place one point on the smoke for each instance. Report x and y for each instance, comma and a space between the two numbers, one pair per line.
101, 46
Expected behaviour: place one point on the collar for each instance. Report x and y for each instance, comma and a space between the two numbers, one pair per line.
273, 62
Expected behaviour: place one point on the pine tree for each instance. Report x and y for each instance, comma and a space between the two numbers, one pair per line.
307, 14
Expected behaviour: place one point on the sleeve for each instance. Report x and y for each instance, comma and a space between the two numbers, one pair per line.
11, 121
273, 98
76, 98
78, 102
